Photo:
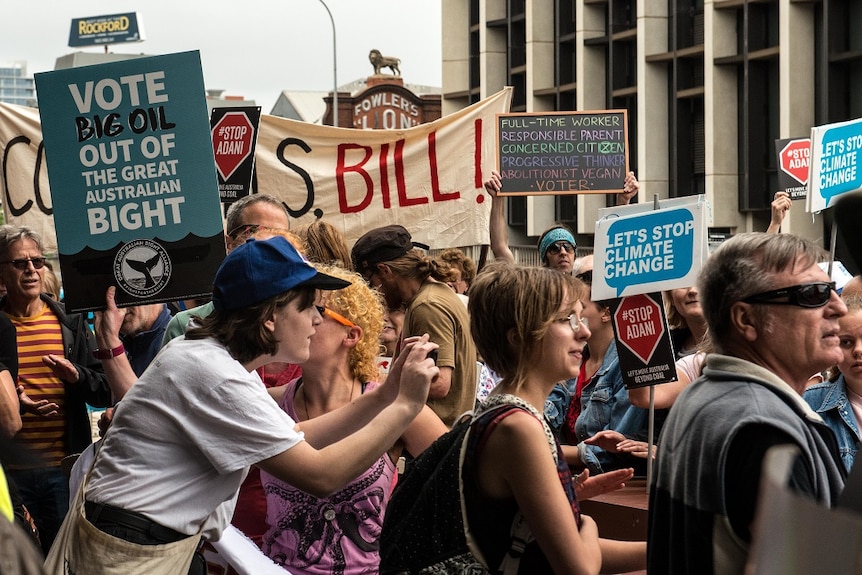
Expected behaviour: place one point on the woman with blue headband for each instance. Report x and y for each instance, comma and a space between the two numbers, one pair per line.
557, 244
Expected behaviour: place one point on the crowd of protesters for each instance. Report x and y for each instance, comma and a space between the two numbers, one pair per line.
289, 405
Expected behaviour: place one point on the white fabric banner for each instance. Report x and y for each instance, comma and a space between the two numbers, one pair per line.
427, 178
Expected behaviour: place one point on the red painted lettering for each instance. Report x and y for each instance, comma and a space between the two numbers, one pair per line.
435, 179
341, 169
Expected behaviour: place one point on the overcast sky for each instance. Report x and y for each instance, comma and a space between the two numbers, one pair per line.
254, 48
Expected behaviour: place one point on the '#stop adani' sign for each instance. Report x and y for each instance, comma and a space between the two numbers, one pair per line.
643, 340
794, 159
234, 133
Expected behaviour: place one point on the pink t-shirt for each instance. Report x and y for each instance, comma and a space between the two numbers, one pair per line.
339, 534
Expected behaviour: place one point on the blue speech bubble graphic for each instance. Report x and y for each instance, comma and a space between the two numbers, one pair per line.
840, 161
650, 248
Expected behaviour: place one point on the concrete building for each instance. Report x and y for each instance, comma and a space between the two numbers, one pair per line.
15, 86
709, 85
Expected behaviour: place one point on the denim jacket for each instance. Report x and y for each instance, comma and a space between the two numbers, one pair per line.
829, 399
557, 404
605, 405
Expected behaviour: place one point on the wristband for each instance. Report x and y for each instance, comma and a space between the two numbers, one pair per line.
109, 353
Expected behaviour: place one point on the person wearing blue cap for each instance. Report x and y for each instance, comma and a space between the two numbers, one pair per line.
185, 435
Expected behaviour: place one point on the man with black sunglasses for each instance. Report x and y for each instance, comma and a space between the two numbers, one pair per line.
57, 373
773, 321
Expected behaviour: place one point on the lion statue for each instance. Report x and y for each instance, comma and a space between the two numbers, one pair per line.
379, 61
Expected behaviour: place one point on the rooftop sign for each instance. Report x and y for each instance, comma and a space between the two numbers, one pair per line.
111, 29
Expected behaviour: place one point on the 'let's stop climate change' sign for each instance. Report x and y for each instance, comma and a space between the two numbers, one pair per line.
836, 163
642, 251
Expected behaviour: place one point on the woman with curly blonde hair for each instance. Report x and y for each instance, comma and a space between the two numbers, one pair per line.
339, 533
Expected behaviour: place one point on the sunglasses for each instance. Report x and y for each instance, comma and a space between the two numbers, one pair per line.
558, 247
246, 230
335, 316
813, 295
38, 263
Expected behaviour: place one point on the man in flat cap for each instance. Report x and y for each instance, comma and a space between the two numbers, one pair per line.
386, 257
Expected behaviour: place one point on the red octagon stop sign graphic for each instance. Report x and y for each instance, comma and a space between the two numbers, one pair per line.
795, 158
639, 325
232, 136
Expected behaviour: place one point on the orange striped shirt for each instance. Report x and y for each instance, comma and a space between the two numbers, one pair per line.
40, 335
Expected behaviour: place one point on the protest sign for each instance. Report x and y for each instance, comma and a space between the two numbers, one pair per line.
643, 340
836, 167
563, 152
234, 135
135, 197
428, 178
794, 157
639, 250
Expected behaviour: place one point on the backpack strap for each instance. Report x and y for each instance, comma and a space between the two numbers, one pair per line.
509, 399
520, 532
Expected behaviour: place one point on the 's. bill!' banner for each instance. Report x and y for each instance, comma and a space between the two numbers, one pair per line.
428, 178
133, 180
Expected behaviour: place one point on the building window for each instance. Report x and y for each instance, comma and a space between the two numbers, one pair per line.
687, 146
757, 99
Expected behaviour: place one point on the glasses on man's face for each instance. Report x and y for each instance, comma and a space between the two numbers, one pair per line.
247, 230
558, 247
575, 322
22, 265
813, 295
325, 311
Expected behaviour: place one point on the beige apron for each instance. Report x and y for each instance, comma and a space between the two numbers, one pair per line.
81, 548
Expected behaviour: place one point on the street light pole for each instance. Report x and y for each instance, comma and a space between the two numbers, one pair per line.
334, 69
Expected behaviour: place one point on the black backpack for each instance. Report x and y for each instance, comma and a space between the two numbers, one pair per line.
424, 530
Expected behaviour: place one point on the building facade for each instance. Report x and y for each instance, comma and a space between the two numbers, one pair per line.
15, 86
708, 85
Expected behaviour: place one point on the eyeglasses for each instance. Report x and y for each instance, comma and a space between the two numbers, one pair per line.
246, 230
575, 322
38, 263
813, 295
335, 316
558, 247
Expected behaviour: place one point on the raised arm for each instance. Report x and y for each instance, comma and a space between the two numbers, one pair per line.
498, 231
118, 370
630, 190
780, 207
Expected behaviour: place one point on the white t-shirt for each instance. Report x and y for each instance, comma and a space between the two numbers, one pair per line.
183, 438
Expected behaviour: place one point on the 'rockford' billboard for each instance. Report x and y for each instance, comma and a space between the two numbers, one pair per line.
111, 29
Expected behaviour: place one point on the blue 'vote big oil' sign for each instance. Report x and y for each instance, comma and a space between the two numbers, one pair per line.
647, 252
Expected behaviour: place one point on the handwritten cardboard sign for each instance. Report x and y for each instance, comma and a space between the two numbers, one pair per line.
563, 152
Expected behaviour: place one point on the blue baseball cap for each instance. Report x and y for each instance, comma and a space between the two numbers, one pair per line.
260, 269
